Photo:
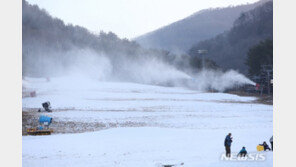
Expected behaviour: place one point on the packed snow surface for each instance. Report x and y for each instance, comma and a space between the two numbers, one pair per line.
177, 125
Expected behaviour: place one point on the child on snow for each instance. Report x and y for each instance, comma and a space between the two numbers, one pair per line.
243, 152
265, 145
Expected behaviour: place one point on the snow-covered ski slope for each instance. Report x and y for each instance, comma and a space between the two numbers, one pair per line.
153, 125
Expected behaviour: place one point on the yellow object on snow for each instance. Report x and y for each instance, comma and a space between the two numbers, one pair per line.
260, 148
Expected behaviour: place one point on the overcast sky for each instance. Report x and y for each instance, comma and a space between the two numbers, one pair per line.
127, 18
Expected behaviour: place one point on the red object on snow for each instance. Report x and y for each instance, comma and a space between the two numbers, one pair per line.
33, 94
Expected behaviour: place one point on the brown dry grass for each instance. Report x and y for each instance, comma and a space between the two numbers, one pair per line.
30, 119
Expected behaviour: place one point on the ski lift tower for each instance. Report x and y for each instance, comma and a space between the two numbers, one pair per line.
268, 71
202, 52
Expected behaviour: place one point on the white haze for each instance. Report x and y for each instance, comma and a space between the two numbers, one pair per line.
85, 66
219, 81
86, 63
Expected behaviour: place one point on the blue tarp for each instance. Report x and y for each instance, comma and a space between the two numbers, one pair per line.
43, 119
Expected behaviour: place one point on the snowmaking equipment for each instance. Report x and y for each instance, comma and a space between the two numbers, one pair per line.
46, 106
43, 129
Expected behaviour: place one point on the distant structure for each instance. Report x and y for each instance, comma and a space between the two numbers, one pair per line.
264, 80
264, 83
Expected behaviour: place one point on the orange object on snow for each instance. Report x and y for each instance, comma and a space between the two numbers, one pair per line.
260, 148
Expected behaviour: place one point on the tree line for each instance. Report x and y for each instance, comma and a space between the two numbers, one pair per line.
229, 49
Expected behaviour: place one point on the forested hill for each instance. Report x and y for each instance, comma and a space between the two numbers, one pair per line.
49, 46
229, 49
181, 35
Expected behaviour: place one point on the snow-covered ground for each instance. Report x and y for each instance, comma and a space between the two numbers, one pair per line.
155, 125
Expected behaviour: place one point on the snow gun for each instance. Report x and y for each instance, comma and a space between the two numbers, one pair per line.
46, 106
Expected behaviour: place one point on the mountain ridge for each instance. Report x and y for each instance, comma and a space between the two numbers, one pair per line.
229, 49
179, 36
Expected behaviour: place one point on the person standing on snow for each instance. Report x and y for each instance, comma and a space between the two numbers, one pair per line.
227, 144
271, 142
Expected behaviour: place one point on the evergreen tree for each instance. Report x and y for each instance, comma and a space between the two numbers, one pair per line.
261, 54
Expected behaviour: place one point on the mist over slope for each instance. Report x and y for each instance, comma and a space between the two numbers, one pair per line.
229, 49
51, 49
181, 35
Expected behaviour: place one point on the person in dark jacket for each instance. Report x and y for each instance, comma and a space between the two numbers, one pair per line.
265, 145
271, 142
227, 144
243, 152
